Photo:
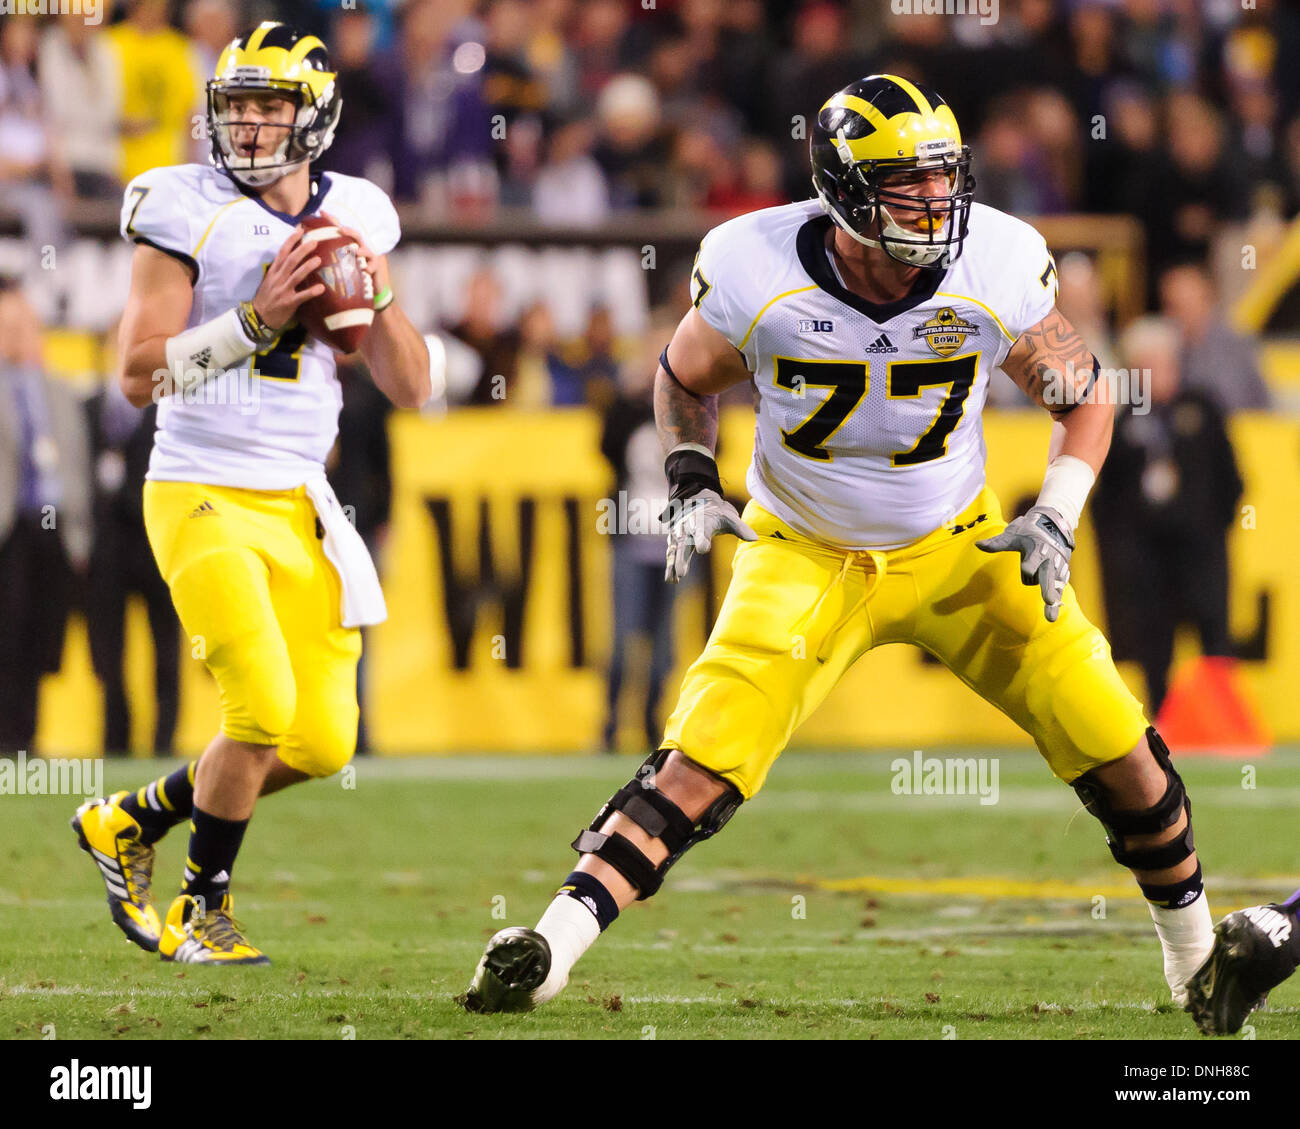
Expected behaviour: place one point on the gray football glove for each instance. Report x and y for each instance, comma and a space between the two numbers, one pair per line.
702, 517
1044, 543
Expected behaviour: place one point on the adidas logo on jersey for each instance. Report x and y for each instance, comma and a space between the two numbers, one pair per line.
1276, 926
882, 344
203, 508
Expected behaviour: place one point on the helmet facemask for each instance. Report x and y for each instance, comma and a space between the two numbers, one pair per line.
864, 200
294, 143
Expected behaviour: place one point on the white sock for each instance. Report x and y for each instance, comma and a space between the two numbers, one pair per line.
569, 928
1187, 936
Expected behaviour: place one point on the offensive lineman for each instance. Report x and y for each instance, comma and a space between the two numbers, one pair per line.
870, 320
270, 580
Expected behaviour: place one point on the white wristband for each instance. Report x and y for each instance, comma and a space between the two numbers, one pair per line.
212, 347
1065, 487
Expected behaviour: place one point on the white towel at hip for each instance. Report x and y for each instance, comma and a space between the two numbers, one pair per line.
363, 599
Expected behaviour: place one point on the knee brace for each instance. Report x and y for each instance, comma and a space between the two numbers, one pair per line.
642, 802
1161, 815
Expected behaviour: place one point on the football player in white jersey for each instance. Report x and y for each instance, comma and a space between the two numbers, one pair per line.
271, 582
870, 320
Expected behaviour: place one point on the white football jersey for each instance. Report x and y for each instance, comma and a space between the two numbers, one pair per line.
269, 424
868, 433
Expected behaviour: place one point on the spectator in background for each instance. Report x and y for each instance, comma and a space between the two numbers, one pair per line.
1054, 132
211, 25
634, 146
1213, 359
643, 603
81, 91
122, 564
1164, 501
570, 187
817, 63
483, 329
161, 86
361, 141
1153, 46
1249, 61
515, 96
747, 184
536, 361
1030, 50
439, 137
733, 54
673, 67
1197, 188
595, 365
1081, 299
31, 174
1124, 166
551, 57
383, 15
603, 45
44, 516
1015, 173
1096, 58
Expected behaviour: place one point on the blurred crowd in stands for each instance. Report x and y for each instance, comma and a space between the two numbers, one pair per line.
573, 113
1181, 112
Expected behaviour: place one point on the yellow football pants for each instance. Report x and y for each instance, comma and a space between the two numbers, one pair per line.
798, 614
259, 602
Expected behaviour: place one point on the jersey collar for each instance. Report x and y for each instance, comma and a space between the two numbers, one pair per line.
811, 247
321, 186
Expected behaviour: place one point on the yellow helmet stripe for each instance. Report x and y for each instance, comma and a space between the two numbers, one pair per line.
922, 103
858, 146
255, 40
860, 106
306, 44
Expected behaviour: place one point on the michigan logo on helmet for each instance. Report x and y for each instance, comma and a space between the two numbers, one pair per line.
877, 138
279, 60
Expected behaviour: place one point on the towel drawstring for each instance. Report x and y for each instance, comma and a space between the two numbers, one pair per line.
879, 563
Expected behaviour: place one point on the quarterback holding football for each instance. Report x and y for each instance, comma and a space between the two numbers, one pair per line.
233, 262
870, 320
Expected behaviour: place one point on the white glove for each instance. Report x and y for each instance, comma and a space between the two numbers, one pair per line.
702, 517
1042, 538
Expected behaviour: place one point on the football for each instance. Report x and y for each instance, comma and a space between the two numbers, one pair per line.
343, 314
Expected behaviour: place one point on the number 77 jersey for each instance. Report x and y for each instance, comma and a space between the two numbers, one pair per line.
868, 431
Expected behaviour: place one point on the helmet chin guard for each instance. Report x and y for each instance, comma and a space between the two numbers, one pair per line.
895, 240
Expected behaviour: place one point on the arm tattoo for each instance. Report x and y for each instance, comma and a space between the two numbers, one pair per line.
1051, 365
683, 417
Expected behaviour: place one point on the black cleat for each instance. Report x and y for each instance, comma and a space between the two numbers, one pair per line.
1254, 950
514, 966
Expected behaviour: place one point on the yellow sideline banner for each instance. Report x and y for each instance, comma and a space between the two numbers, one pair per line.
497, 577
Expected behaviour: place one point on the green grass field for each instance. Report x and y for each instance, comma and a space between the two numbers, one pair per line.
829, 908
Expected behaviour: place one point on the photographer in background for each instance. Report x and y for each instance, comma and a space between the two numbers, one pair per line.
44, 516
122, 565
1162, 508
643, 603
